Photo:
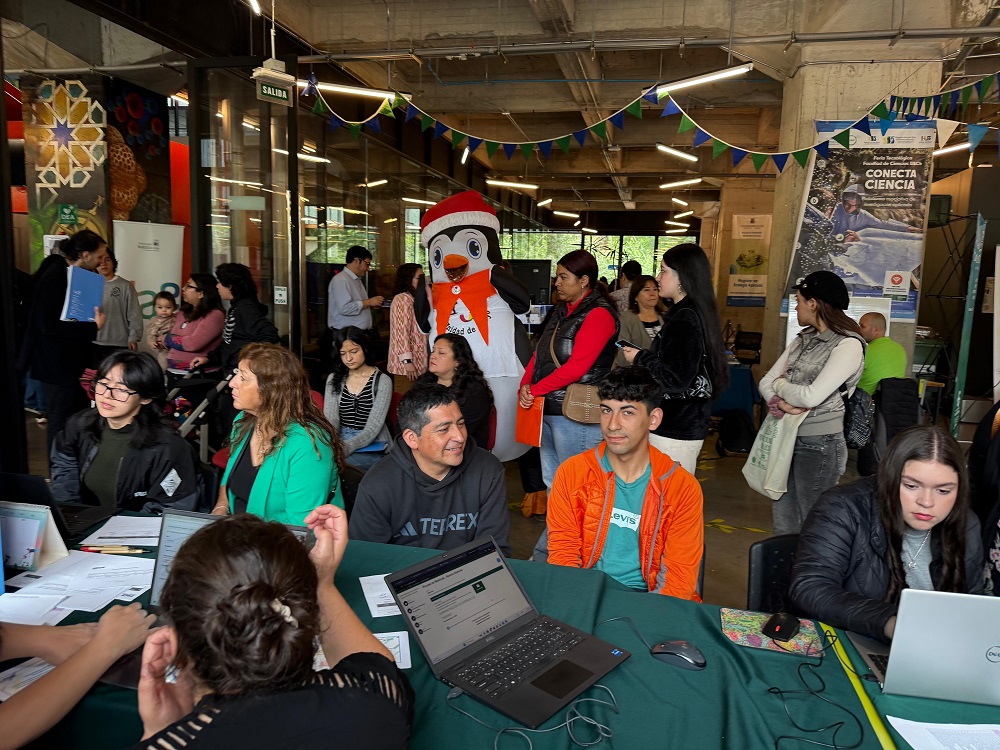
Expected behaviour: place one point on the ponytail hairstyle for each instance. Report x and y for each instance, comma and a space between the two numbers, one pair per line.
84, 241
241, 596
923, 443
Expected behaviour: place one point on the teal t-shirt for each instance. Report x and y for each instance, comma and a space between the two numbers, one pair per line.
620, 556
884, 358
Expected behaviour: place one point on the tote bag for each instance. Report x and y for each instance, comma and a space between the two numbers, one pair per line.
770, 459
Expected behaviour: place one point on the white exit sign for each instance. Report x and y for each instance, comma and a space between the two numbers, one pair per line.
281, 295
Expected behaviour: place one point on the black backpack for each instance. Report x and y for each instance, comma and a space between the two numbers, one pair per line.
736, 433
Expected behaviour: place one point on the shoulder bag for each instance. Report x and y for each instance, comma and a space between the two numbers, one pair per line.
770, 459
859, 417
701, 386
581, 402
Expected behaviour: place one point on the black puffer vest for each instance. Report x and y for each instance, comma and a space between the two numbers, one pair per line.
562, 330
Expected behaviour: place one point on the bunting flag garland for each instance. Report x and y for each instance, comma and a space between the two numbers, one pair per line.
545, 147
801, 156
718, 148
976, 135
411, 112
686, 124
563, 143
635, 109
354, 128
426, 121
651, 97
618, 120
581, 136
527, 149
491, 148
823, 149
509, 149
700, 136
779, 161
440, 129
386, 109
335, 122
843, 138
373, 125
474, 143
319, 106
738, 156
600, 130
310, 88
759, 160
966, 95
670, 109
863, 126
457, 138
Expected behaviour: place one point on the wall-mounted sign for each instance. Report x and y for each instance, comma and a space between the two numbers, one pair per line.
274, 93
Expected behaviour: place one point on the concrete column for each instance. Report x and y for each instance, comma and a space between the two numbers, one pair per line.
834, 91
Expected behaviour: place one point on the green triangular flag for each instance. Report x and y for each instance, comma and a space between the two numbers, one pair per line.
426, 121
686, 124
526, 149
718, 147
909, 105
355, 128
319, 106
966, 95
491, 148
600, 130
386, 109
881, 111
900, 101
843, 138
563, 143
927, 105
801, 156
456, 138
635, 108
759, 160
986, 86
399, 102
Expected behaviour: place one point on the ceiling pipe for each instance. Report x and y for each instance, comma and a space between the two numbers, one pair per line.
972, 43
624, 45
95, 69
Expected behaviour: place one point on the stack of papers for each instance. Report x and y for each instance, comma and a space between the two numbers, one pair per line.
18, 678
83, 581
127, 531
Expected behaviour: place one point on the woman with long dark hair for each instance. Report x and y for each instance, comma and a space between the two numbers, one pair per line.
407, 343
198, 325
453, 365
577, 345
909, 527
828, 353
688, 357
245, 604
123, 453
358, 396
286, 455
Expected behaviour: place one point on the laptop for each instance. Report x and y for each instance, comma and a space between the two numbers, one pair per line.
479, 631
946, 646
73, 520
176, 527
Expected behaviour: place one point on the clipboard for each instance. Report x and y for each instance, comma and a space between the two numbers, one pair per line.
31, 539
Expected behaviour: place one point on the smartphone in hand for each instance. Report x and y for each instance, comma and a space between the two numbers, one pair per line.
622, 343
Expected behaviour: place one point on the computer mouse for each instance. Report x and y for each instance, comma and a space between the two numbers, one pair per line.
679, 653
781, 627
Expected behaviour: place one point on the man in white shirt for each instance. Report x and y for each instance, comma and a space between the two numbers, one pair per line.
349, 303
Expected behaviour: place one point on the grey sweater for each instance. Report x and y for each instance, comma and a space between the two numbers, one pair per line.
121, 305
375, 430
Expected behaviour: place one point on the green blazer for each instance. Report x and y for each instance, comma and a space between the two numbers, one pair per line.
293, 480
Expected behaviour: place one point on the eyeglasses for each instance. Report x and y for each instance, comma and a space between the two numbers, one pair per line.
192, 287
117, 394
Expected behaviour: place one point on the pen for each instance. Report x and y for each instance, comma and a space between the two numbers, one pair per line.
115, 548
121, 551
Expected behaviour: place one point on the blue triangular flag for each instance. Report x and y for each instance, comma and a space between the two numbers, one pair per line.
650, 96
976, 134
915, 118
310, 89
373, 125
884, 123
581, 136
864, 126
440, 129
953, 101
670, 109
823, 149
700, 136
892, 103
618, 120
545, 147
335, 122
474, 143
738, 155
779, 160
509, 149
935, 103
411, 112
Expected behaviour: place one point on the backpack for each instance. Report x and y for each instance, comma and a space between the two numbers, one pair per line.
859, 417
736, 433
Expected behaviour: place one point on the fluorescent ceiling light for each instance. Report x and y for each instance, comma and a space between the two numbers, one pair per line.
679, 202
373, 183
256, 6
337, 88
718, 75
413, 227
237, 182
676, 223
389, 221
675, 231
465, 155
680, 183
303, 156
567, 214
588, 229
951, 149
576, 223
419, 200
681, 216
545, 202
505, 183
675, 152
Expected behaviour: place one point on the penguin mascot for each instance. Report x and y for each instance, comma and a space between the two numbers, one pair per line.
473, 296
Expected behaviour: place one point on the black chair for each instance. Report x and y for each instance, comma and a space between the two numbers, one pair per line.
771, 573
350, 478
746, 347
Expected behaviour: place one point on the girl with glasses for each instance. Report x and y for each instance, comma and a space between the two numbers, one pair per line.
123, 453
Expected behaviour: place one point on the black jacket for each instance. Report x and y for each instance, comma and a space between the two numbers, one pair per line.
161, 475
840, 575
246, 323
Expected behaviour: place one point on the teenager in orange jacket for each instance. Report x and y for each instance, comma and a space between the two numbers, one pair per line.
625, 507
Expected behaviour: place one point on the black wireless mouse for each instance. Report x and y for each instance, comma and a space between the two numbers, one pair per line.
781, 627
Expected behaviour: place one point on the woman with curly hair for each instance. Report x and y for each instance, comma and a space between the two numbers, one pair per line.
286, 455
453, 365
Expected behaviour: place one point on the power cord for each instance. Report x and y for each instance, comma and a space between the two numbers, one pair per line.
572, 717
631, 624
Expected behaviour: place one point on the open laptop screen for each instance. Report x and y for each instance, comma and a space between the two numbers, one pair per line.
176, 528
457, 601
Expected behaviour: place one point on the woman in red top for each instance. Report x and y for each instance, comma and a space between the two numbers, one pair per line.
198, 326
580, 333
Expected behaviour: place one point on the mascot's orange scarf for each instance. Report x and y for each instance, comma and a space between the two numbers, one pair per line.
473, 290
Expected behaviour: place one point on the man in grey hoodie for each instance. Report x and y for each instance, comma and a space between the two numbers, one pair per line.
435, 488
121, 305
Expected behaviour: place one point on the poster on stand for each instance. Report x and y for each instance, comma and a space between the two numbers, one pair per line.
149, 255
751, 243
864, 213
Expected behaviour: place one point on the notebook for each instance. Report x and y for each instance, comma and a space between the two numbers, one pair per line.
73, 520
479, 631
945, 646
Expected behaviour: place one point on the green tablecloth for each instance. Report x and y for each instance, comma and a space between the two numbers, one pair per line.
726, 705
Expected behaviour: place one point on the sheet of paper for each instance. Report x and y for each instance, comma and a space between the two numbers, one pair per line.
57, 615
27, 608
926, 736
17, 678
66, 566
378, 596
121, 571
399, 644
127, 531
89, 598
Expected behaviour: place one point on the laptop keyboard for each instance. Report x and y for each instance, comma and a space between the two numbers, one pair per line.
880, 660
500, 670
